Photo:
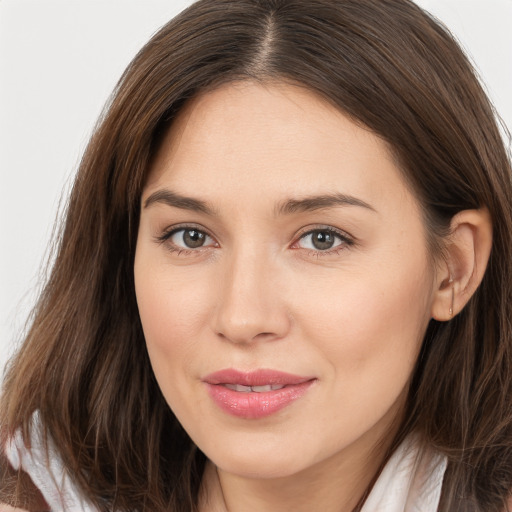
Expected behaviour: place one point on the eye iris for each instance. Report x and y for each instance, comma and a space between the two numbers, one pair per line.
193, 238
322, 240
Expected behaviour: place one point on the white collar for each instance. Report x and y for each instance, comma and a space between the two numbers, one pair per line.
46, 470
411, 481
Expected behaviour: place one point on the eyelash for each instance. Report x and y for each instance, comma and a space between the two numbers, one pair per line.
345, 240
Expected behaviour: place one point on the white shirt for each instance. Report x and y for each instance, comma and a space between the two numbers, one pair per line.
410, 481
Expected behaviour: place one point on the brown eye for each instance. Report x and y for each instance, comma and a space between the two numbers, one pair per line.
190, 238
193, 238
321, 240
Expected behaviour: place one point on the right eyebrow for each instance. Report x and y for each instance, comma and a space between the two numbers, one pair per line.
166, 196
312, 203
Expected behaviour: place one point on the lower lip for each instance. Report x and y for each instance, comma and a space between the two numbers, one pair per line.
252, 405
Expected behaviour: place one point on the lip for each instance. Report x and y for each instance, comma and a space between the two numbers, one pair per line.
252, 404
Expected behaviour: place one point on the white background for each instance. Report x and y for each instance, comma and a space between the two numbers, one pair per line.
59, 61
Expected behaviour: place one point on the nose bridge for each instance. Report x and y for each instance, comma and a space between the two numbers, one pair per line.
250, 305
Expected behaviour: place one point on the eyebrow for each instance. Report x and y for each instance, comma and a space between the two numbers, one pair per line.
169, 198
290, 206
312, 203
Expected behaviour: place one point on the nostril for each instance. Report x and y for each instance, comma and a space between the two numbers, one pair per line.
248, 332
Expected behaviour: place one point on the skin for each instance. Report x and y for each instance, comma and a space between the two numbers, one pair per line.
259, 294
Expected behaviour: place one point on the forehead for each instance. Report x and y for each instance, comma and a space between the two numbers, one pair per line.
243, 139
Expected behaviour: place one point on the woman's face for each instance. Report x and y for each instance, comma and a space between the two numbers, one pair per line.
283, 280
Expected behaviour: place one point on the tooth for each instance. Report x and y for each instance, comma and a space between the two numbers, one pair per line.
238, 387
262, 389
256, 389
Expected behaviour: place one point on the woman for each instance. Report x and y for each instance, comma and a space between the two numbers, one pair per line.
284, 278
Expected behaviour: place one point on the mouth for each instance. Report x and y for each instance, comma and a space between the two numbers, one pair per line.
257, 394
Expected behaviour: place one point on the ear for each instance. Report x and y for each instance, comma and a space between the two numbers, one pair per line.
462, 265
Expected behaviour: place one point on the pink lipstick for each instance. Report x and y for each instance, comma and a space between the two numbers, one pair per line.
255, 394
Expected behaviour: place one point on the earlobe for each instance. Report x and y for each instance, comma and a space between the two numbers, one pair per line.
462, 268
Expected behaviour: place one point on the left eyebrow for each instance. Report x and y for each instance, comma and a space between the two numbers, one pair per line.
170, 198
312, 203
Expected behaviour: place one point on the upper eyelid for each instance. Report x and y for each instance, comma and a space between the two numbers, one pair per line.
170, 230
310, 229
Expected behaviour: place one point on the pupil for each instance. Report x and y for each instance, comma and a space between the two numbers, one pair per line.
193, 238
323, 240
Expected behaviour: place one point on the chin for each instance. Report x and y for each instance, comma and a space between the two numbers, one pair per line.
259, 468
263, 459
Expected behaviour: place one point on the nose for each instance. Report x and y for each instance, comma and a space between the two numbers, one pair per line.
251, 304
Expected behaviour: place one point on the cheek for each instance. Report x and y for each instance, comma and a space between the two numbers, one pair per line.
369, 326
173, 308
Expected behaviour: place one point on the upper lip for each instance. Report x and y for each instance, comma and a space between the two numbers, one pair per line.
259, 377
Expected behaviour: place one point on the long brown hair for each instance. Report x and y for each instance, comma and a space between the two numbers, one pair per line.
388, 65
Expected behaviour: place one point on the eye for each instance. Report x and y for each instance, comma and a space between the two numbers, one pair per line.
322, 240
189, 238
